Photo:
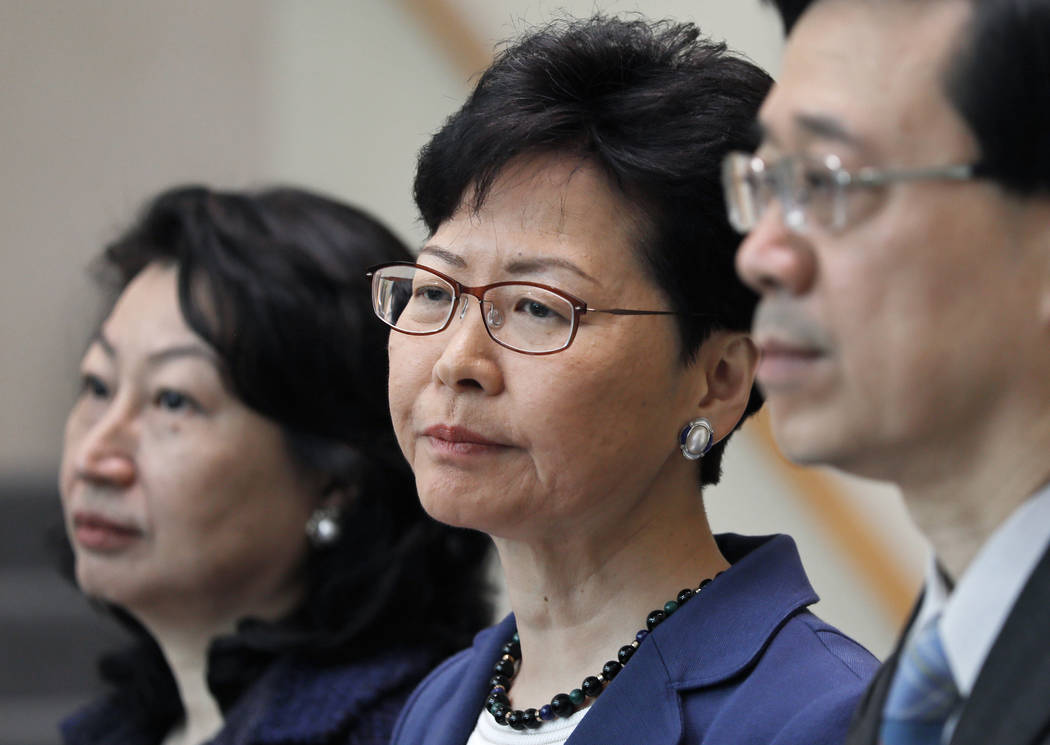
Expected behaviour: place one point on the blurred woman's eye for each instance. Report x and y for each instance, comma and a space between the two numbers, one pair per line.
93, 386
172, 400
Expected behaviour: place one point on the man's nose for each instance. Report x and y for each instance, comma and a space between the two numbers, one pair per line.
774, 258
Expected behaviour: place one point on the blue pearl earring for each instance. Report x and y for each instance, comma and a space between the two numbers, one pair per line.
696, 438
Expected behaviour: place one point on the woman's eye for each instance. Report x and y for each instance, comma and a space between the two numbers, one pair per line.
93, 386
174, 400
537, 310
433, 294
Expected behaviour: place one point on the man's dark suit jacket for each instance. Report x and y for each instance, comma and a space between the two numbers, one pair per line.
1010, 701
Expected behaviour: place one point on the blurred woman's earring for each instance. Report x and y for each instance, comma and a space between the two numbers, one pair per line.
323, 527
696, 438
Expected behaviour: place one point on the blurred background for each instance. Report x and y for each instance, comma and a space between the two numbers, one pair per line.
105, 102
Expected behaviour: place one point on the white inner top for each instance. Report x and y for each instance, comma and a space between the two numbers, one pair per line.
554, 732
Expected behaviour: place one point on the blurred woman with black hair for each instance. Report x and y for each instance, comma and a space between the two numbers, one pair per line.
233, 491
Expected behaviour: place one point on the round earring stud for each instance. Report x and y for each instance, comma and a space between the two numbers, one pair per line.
696, 438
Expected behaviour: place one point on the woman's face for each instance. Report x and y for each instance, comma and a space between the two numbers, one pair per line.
524, 446
181, 503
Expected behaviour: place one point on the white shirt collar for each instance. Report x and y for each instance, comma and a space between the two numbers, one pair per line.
975, 611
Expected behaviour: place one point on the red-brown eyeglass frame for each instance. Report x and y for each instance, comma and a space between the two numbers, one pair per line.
579, 307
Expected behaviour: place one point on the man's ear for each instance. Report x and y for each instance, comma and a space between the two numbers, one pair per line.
1030, 227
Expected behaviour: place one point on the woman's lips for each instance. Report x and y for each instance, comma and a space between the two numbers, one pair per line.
96, 533
453, 440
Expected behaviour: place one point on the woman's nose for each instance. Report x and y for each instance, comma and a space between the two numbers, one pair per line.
470, 358
774, 258
107, 449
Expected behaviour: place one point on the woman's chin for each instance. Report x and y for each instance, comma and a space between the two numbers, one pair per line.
442, 509
107, 583
460, 510
100, 591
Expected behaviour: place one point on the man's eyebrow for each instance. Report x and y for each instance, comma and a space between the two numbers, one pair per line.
826, 127
537, 264
447, 256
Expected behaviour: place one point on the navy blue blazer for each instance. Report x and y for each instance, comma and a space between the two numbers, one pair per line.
742, 663
294, 702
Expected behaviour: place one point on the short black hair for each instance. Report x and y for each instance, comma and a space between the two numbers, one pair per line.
998, 80
274, 281
655, 106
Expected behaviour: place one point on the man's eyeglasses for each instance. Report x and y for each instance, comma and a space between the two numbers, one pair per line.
524, 316
811, 192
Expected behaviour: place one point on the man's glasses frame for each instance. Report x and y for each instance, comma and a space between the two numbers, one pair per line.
750, 183
579, 306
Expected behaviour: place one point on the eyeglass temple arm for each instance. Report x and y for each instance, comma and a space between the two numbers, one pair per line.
631, 312
877, 177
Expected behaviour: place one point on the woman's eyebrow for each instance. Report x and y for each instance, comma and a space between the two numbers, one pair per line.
537, 264
103, 343
179, 351
162, 355
447, 256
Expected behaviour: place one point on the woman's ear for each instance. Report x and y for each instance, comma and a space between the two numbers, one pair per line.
337, 497
729, 360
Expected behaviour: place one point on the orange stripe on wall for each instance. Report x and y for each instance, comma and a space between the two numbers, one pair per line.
870, 556
445, 23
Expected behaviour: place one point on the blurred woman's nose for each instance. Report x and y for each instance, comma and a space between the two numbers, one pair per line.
773, 258
470, 358
106, 449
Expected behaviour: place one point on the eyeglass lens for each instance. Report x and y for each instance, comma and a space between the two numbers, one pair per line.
740, 183
809, 193
520, 316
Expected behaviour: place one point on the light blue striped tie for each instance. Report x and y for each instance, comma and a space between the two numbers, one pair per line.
923, 693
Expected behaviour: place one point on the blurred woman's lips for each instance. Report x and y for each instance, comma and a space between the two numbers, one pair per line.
97, 533
452, 440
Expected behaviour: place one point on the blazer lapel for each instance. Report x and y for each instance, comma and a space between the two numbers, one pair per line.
453, 723
1010, 702
708, 641
624, 715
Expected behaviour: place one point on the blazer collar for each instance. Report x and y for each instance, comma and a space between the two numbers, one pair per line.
452, 724
714, 636
299, 702
711, 638
292, 702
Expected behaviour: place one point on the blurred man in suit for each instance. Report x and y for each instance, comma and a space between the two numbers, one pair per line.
898, 220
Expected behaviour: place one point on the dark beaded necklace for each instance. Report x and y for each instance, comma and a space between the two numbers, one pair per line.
566, 704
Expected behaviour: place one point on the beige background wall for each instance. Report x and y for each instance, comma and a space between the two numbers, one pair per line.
103, 102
